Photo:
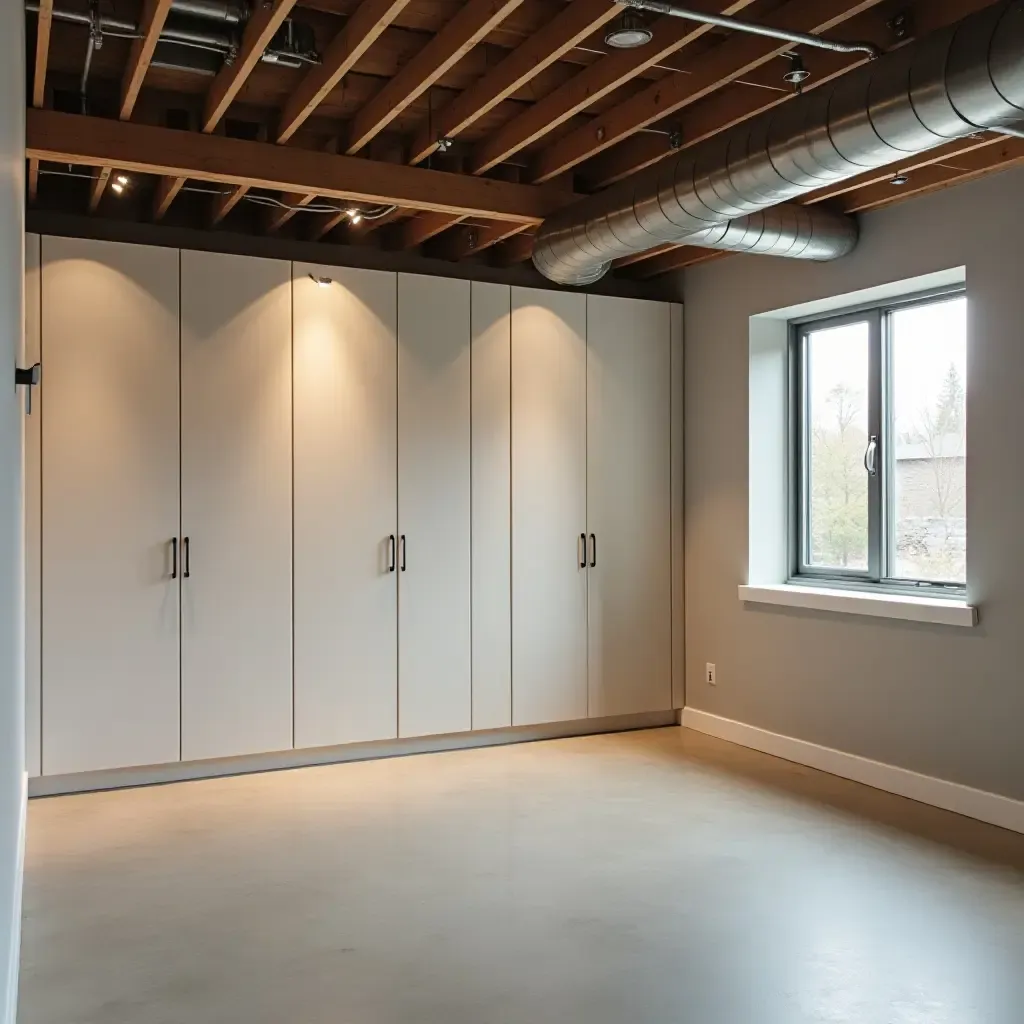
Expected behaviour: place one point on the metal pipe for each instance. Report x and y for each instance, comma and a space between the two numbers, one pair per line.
212, 10
739, 25
950, 84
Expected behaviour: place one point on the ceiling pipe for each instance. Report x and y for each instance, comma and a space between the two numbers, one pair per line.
739, 25
953, 83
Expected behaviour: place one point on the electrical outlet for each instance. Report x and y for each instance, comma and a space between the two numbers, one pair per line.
709, 674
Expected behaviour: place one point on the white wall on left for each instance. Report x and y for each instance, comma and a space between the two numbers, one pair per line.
12, 714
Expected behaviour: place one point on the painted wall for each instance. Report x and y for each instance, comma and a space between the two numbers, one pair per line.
945, 702
12, 757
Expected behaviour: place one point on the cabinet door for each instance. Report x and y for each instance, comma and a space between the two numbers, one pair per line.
549, 506
33, 516
345, 402
492, 506
111, 684
629, 429
236, 505
434, 666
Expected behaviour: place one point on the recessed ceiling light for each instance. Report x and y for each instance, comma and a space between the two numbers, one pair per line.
899, 179
628, 32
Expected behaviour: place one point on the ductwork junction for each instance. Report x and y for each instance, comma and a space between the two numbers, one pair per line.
953, 83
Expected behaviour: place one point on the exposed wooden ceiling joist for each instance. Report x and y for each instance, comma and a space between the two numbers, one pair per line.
474, 20
151, 24
468, 241
565, 31
420, 229
98, 185
167, 190
513, 250
44, 22
594, 82
676, 259
730, 106
710, 71
98, 142
224, 204
293, 202
361, 31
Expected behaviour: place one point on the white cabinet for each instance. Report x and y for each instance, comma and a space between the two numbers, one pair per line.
346, 499
111, 503
434, 658
492, 505
236, 505
549, 506
629, 577
33, 492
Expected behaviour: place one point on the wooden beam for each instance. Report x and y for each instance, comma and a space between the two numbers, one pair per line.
225, 203
420, 229
166, 191
329, 222
359, 233
676, 258
976, 164
639, 257
513, 250
468, 241
98, 142
151, 24
730, 106
560, 35
594, 82
259, 31
100, 179
365, 26
33, 179
44, 22
279, 216
710, 71
471, 23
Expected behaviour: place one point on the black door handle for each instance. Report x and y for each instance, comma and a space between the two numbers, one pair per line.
391, 549
582, 557
403, 552
593, 551
174, 558
188, 560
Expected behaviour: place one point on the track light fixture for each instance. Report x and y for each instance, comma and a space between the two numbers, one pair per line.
354, 216
798, 73
899, 179
321, 282
444, 144
120, 184
628, 32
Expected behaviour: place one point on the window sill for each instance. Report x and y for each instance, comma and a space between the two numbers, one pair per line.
937, 611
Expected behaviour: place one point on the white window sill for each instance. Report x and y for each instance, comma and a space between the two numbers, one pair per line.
938, 611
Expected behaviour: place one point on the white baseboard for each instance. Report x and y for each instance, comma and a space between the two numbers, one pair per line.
13, 967
186, 771
950, 796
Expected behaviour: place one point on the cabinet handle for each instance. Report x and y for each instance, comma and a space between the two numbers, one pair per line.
403, 551
582, 547
391, 550
174, 558
188, 560
593, 551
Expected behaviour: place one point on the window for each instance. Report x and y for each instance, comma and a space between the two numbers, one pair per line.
879, 444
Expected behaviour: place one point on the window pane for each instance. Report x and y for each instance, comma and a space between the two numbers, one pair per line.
837, 410
929, 385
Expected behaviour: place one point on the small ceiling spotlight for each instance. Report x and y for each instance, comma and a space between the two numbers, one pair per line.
354, 216
899, 179
798, 73
628, 32
444, 144
120, 184
123, 179
322, 282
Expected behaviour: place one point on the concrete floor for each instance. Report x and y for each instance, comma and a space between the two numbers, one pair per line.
647, 878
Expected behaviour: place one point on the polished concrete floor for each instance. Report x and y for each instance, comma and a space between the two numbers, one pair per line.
644, 878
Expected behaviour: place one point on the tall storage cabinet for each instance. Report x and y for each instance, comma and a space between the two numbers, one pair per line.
549, 506
434, 660
629, 571
346, 505
111, 505
236, 505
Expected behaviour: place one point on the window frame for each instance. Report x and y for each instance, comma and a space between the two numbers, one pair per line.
881, 492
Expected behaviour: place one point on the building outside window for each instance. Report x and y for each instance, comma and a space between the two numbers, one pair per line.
879, 428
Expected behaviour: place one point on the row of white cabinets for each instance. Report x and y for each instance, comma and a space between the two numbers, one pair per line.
275, 505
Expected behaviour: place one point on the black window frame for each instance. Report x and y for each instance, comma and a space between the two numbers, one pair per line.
881, 492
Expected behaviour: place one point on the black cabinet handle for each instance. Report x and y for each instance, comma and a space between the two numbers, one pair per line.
391, 550
403, 552
188, 560
174, 558
582, 557
593, 551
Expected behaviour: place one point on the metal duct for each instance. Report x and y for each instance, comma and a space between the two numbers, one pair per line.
950, 84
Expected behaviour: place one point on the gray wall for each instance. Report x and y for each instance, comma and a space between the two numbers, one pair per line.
12, 247
946, 702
